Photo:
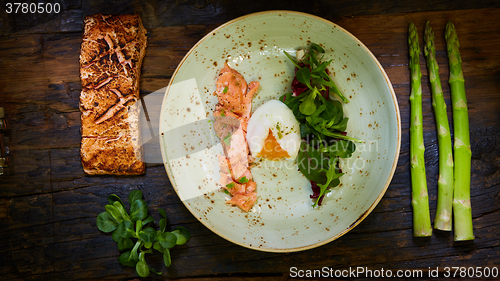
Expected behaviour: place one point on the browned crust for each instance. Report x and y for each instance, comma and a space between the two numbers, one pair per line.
117, 156
112, 51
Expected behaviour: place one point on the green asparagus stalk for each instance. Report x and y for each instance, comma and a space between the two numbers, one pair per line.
442, 220
420, 198
461, 199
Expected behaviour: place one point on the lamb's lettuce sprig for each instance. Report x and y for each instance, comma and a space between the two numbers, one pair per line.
134, 234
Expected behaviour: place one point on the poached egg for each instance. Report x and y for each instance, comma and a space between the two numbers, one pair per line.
273, 133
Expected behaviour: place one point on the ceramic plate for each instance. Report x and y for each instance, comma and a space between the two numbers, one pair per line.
282, 219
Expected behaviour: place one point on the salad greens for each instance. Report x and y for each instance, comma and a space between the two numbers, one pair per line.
134, 234
322, 122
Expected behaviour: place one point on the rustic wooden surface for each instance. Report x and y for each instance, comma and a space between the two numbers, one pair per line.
48, 206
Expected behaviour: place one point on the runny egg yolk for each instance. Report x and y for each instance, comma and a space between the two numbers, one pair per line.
272, 149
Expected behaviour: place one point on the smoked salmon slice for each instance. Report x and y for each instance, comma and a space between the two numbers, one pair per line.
231, 118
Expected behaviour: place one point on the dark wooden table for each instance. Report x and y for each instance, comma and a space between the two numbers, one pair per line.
48, 207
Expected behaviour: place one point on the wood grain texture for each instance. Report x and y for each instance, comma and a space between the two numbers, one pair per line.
48, 206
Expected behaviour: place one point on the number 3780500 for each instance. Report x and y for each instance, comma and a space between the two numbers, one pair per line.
471, 272
32, 8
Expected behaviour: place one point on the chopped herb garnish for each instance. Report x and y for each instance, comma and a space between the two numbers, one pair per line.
230, 185
225, 89
280, 135
227, 192
243, 180
227, 139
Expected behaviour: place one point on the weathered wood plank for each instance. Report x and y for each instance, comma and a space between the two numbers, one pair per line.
171, 12
79, 245
21, 68
30, 174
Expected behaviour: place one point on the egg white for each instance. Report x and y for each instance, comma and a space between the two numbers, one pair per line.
277, 117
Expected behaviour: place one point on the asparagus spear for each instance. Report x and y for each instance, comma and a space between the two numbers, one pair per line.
461, 200
442, 220
420, 198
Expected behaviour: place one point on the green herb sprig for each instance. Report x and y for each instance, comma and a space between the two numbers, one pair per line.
322, 118
135, 235
319, 115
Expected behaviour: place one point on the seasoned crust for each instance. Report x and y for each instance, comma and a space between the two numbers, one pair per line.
105, 115
118, 156
112, 51
122, 30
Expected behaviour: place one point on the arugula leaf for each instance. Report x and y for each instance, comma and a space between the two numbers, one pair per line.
304, 76
321, 68
291, 59
341, 126
316, 47
290, 100
333, 134
310, 163
329, 82
319, 167
331, 111
331, 174
305, 130
313, 49
341, 148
